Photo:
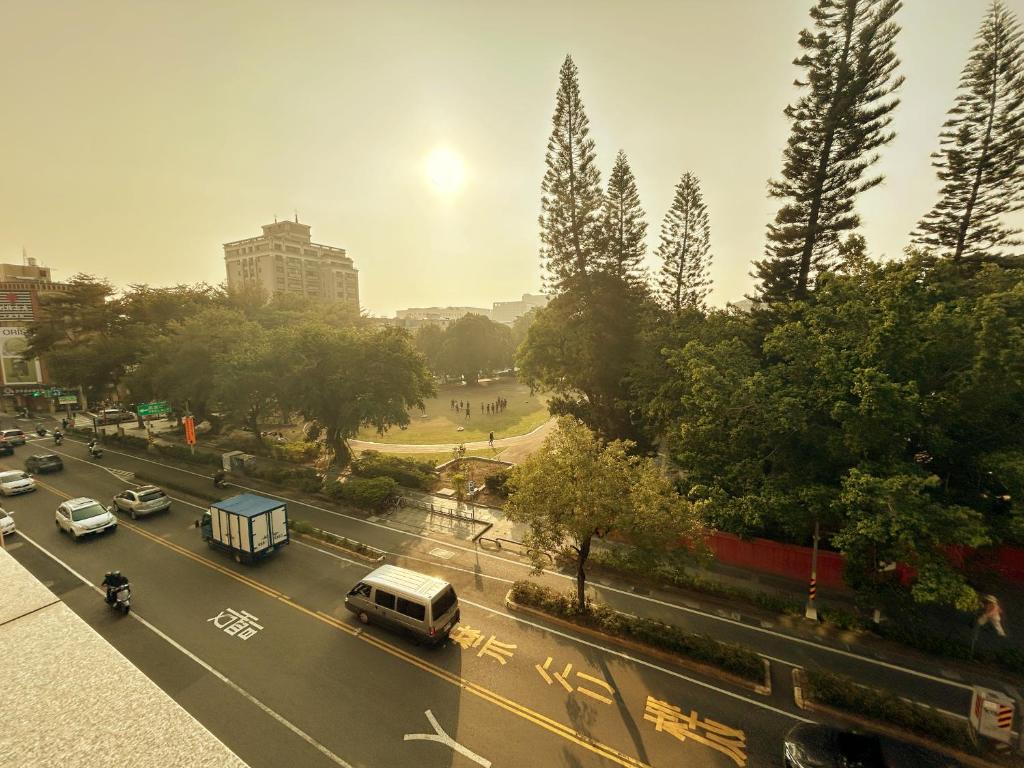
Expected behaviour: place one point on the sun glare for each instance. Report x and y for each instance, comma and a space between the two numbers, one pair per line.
445, 171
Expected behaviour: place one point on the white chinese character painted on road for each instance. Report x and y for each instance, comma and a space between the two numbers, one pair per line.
237, 623
443, 738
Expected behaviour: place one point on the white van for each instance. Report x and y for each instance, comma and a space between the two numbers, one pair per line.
424, 606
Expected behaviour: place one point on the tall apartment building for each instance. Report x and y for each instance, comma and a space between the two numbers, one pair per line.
284, 260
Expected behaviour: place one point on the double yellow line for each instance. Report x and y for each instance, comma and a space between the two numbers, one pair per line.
553, 726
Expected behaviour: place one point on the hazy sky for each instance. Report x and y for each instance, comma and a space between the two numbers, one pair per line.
139, 136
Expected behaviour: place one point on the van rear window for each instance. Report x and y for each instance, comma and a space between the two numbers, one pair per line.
411, 609
443, 603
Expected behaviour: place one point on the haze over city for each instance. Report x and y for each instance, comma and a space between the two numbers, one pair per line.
141, 137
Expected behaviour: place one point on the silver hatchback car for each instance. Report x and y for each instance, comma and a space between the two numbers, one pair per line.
142, 501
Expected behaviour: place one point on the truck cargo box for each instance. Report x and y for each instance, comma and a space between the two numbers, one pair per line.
247, 525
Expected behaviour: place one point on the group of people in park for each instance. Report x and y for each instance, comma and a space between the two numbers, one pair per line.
460, 406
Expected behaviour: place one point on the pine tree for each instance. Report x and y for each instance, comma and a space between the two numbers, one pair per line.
624, 224
570, 219
981, 155
684, 251
837, 124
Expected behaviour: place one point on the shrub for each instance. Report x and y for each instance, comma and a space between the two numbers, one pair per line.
734, 659
496, 483
411, 474
297, 452
301, 526
843, 693
182, 453
363, 492
128, 441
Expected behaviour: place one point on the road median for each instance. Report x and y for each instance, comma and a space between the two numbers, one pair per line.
700, 653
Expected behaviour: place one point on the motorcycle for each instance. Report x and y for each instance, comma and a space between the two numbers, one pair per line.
58, 438
120, 598
218, 479
41, 430
95, 452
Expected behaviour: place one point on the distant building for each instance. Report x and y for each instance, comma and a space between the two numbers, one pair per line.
415, 317
26, 381
284, 260
509, 311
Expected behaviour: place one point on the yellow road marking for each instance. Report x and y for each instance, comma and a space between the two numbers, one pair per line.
513, 707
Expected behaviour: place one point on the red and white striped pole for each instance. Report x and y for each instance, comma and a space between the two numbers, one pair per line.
811, 612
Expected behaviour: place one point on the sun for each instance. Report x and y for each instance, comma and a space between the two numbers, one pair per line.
445, 170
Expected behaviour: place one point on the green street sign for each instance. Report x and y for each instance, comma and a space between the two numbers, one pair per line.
158, 408
67, 399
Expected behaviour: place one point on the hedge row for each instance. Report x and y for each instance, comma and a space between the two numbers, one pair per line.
411, 474
302, 478
843, 693
734, 659
367, 493
301, 526
171, 451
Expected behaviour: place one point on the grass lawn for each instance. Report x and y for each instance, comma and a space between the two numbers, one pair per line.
525, 412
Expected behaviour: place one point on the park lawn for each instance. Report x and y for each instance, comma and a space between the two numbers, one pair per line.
525, 412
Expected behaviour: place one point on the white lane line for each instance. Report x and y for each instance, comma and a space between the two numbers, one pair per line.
598, 585
220, 676
627, 657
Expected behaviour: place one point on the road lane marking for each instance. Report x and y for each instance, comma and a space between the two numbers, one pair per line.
441, 737
553, 726
596, 585
216, 673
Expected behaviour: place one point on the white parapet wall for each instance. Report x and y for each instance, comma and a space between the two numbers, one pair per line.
60, 683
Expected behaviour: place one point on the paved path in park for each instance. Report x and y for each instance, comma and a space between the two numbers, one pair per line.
513, 449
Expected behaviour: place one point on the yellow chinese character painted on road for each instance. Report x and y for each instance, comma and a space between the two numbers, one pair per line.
497, 650
669, 719
468, 638
562, 678
465, 636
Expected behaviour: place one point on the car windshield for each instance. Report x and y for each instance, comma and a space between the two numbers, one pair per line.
861, 750
10, 477
151, 495
13, 433
49, 458
3, 514
84, 513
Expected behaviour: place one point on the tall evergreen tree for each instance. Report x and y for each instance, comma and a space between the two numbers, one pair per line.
570, 218
837, 124
625, 226
684, 279
981, 155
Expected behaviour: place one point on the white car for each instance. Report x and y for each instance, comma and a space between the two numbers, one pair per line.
83, 515
142, 501
16, 481
6, 522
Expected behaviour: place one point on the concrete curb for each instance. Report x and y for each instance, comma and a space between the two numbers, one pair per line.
695, 666
806, 703
340, 547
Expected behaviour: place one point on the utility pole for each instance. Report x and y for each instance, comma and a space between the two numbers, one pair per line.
811, 612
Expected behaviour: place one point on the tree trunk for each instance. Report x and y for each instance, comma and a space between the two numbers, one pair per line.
581, 576
254, 423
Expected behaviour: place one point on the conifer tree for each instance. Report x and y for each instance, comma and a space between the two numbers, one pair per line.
570, 219
981, 147
625, 227
684, 279
837, 124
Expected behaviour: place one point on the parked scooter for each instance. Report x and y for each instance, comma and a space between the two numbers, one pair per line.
119, 591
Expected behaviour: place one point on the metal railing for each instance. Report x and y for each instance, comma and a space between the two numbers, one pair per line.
528, 551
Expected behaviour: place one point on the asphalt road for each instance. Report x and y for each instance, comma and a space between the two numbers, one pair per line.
312, 687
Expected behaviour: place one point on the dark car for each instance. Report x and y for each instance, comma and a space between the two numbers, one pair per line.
44, 462
6, 448
810, 745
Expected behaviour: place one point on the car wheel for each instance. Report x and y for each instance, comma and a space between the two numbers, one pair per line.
364, 617
57, 523
133, 515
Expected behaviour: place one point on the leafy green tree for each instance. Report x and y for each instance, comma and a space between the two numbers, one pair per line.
577, 487
625, 227
580, 348
837, 125
473, 344
898, 519
346, 378
84, 336
684, 280
521, 327
429, 342
246, 379
981, 157
570, 218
